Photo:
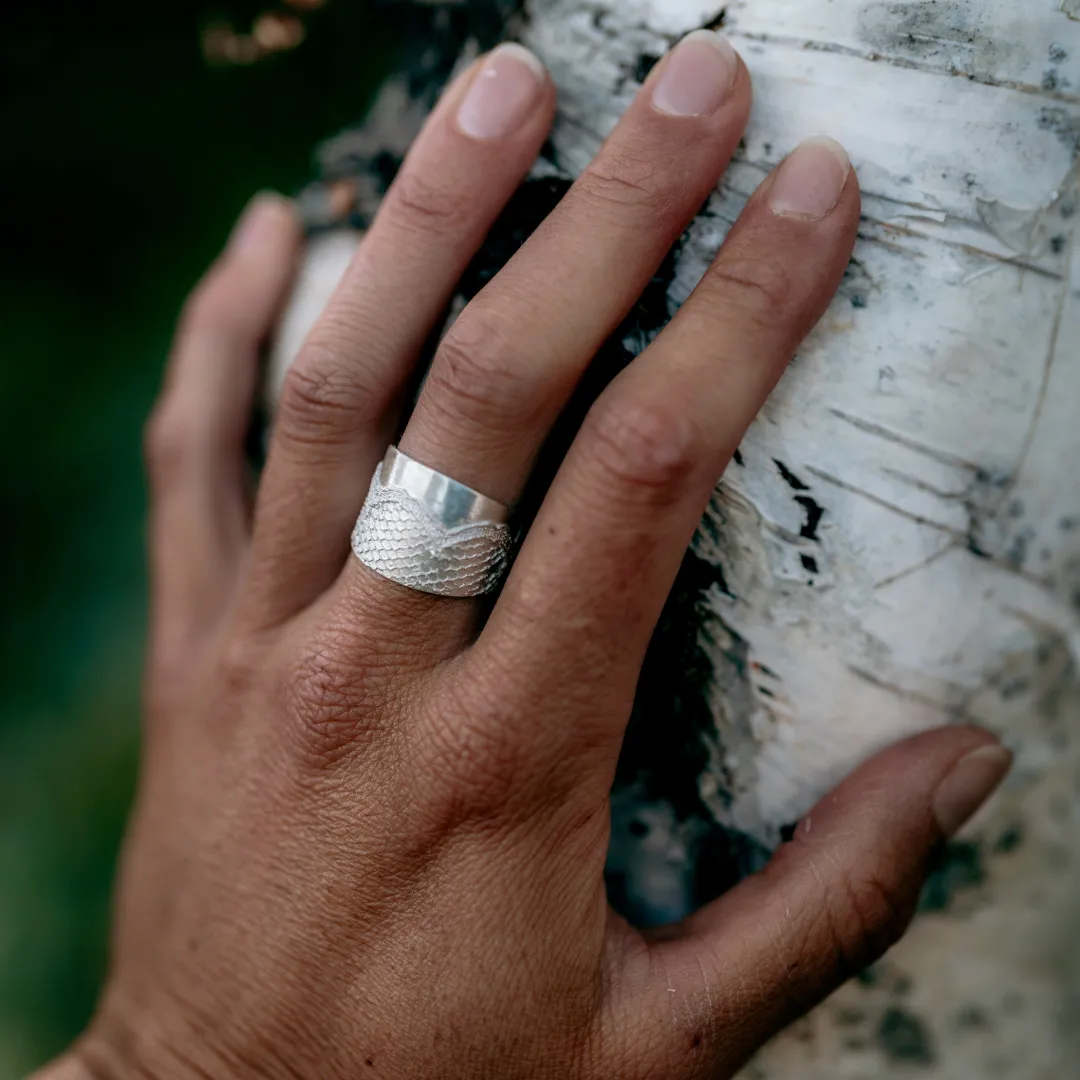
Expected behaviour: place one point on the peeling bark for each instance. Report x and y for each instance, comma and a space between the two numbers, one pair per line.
897, 545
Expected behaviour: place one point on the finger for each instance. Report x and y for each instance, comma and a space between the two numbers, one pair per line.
832, 900
340, 401
195, 438
508, 366
589, 585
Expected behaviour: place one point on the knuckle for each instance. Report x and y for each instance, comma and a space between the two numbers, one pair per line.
334, 703
168, 683
214, 309
167, 444
241, 664
179, 669
416, 201
202, 305
641, 445
322, 400
760, 287
627, 180
180, 673
864, 920
470, 758
477, 376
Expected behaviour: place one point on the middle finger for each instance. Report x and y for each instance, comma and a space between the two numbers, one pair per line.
510, 363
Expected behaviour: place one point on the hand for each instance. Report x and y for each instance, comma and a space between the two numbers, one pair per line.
370, 837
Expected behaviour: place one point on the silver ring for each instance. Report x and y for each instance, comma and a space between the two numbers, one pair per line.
427, 532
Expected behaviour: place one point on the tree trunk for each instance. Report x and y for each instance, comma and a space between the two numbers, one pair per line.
898, 542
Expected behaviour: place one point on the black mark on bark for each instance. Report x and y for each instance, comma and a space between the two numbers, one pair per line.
960, 866
903, 1037
814, 510
717, 21
790, 478
645, 63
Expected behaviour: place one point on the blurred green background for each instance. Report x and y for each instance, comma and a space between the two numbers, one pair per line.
128, 151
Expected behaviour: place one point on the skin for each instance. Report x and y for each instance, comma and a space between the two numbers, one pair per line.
370, 834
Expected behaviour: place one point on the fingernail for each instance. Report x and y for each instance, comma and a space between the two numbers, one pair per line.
697, 76
972, 781
810, 182
259, 221
502, 94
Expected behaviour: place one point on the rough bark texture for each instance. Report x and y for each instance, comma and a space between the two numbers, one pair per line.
898, 542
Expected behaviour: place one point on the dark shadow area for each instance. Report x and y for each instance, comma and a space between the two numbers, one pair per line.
127, 154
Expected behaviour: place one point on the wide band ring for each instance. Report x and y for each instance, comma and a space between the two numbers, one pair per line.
426, 531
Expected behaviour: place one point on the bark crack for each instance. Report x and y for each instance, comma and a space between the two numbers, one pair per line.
956, 712
1019, 262
943, 457
1044, 388
922, 485
884, 503
921, 565
963, 539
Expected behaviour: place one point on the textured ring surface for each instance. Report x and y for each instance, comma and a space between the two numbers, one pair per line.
427, 532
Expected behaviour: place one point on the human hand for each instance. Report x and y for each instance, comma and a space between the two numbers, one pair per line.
370, 837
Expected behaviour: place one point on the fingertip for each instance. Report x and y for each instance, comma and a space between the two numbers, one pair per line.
697, 76
811, 181
268, 219
969, 785
525, 56
503, 95
845, 887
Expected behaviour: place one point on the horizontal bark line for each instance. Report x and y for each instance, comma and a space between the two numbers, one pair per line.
1018, 262
872, 428
873, 56
956, 713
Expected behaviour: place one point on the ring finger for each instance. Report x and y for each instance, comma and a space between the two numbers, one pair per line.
340, 401
506, 369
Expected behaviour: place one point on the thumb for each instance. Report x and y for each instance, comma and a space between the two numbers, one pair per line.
833, 899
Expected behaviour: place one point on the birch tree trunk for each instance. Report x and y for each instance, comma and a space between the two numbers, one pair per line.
898, 543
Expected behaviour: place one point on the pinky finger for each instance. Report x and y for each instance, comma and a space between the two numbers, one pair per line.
195, 438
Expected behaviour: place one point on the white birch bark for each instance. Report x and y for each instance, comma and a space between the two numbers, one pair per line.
901, 543
933, 420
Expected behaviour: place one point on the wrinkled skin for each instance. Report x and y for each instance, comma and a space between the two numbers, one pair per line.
370, 836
